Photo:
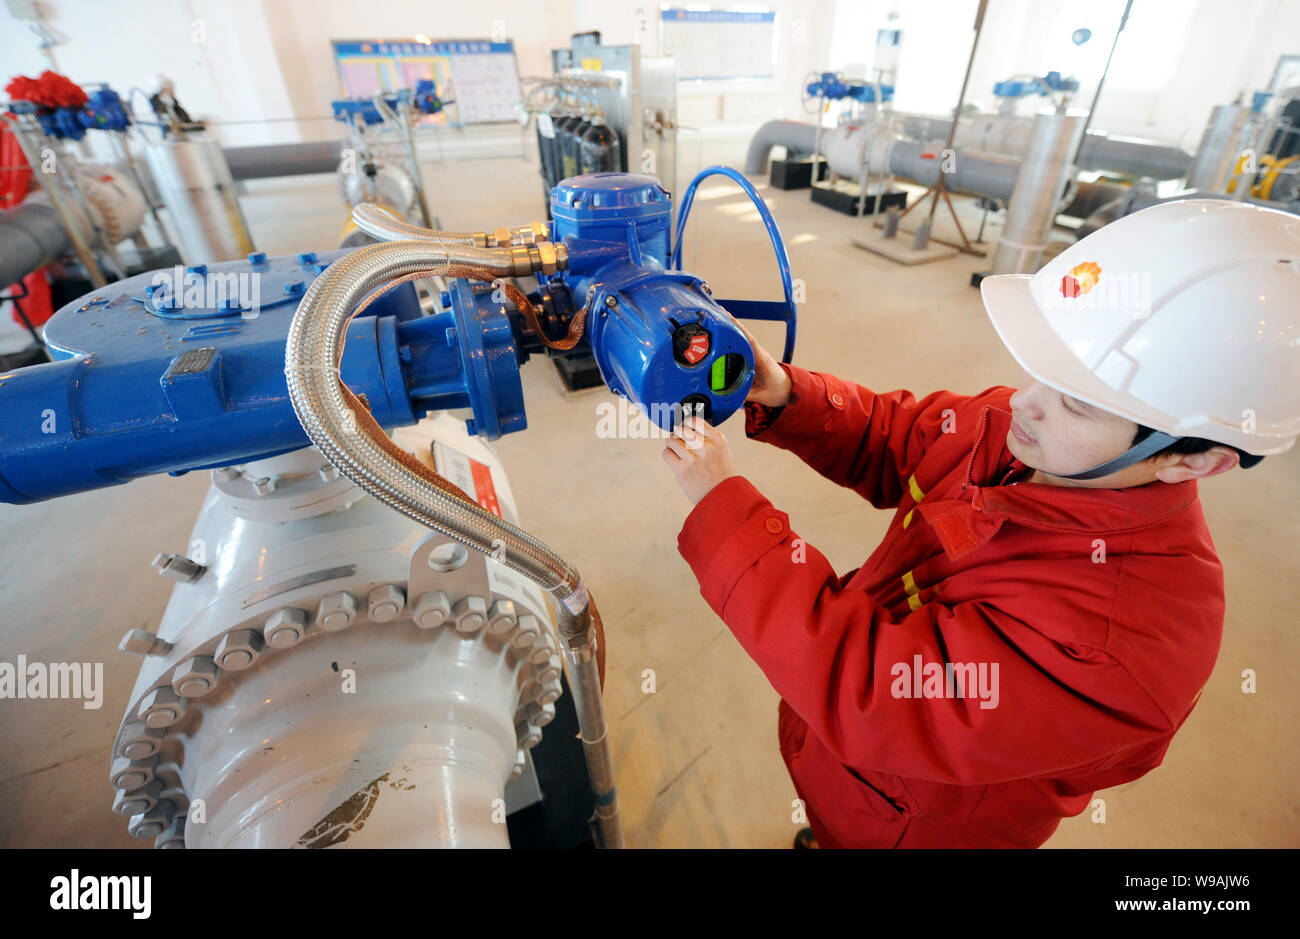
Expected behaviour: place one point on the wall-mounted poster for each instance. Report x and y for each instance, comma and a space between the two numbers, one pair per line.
480, 77
719, 43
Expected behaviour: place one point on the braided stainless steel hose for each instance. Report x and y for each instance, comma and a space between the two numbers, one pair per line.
311, 368
342, 429
384, 225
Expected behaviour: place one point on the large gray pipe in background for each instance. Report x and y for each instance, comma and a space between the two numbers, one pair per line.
990, 135
1012, 135
983, 175
283, 159
31, 236
797, 138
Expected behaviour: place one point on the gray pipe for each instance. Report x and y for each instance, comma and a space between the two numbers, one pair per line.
283, 159
978, 174
311, 369
31, 236
27, 133
1129, 156
797, 139
984, 175
1092, 196
1100, 151
1100, 218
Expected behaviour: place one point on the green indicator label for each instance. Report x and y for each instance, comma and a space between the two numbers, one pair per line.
718, 374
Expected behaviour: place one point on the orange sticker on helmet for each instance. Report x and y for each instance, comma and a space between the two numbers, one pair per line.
1082, 278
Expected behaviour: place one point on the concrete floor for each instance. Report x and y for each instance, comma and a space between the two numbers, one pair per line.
697, 761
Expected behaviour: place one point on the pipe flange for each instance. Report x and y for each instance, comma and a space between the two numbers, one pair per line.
278, 499
145, 773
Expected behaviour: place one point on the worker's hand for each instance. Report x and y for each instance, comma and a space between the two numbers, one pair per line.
771, 382
699, 457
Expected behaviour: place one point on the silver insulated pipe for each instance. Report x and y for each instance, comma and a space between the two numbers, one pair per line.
1037, 197
383, 225
198, 192
334, 421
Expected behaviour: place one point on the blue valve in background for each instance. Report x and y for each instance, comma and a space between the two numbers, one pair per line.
1031, 85
834, 87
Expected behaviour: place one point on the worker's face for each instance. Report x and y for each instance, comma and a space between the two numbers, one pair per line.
1060, 435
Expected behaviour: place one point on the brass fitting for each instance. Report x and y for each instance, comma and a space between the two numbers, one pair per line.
552, 257
530, 234
544, 258
521, 260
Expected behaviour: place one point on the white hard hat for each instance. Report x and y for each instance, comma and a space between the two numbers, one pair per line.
1184, 317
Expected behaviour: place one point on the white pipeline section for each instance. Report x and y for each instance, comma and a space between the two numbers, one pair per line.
336, 674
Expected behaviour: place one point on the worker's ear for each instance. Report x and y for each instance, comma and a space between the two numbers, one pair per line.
1184, 466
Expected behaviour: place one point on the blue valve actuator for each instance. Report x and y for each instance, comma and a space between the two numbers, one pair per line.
1022, 88
835, 87
658, 336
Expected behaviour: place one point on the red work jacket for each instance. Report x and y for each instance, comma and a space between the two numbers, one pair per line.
1094, 614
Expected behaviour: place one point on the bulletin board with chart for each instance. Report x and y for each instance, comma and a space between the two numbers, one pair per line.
479, 76
719, 43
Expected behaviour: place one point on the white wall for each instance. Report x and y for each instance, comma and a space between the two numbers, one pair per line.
223, 66
1175, 60
258, 61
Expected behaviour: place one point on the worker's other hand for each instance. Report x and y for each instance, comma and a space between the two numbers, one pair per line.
771, 382
699, 457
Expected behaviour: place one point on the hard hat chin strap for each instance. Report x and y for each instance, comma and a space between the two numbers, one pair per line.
1147, 447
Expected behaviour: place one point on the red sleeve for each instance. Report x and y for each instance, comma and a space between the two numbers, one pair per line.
865, 441
845, 666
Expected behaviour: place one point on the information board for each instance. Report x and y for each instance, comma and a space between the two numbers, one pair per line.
481, 77
719, 43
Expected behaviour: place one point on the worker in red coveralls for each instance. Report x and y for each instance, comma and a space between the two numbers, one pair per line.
1047, 603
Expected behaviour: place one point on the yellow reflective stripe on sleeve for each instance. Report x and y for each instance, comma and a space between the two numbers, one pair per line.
909, 584
914, 603
907, 519
914, 489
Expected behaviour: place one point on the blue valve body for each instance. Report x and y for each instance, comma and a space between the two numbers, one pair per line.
136, 390
160, 373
